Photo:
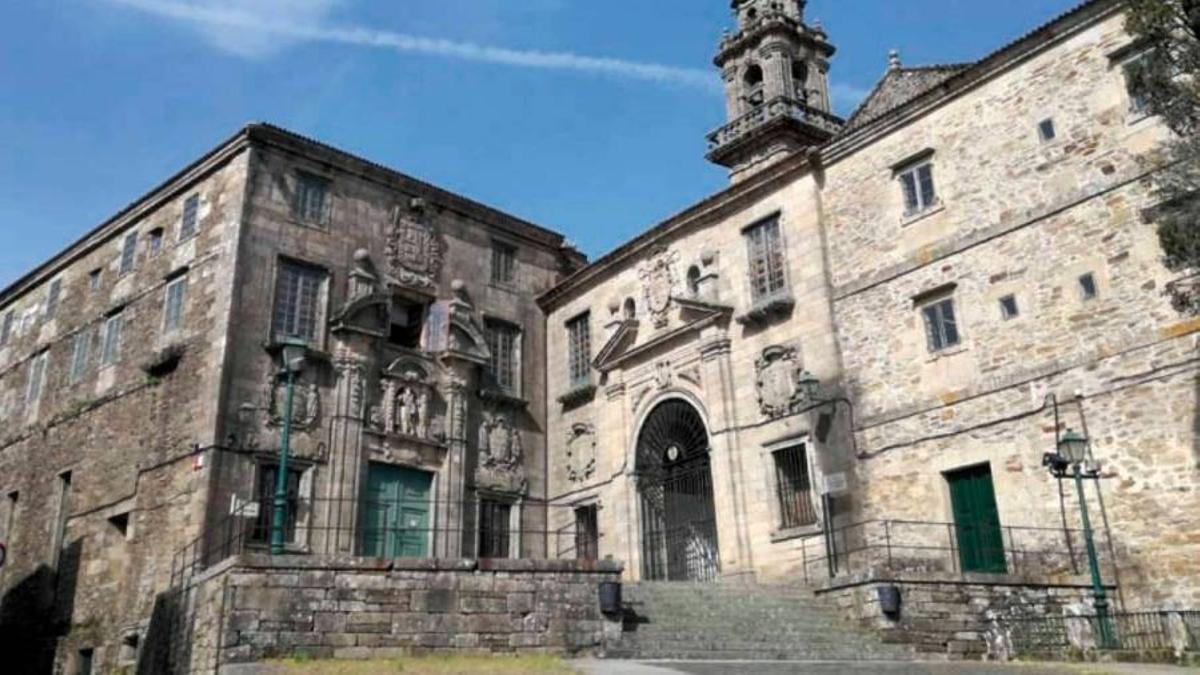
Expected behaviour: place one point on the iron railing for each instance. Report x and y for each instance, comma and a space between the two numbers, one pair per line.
1136, 631
876, 546
418, 528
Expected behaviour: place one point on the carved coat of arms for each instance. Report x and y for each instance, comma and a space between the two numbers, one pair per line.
658, 280
414, 252
778, 382
306, 403
581, 452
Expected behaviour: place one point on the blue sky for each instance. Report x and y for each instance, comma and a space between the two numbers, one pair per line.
584, 116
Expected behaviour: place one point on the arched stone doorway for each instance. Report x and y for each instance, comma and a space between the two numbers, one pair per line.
674, 476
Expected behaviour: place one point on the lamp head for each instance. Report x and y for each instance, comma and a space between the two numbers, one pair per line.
809, 385
294, 352
1072, 447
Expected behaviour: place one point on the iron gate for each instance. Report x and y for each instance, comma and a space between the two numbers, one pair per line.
679, 528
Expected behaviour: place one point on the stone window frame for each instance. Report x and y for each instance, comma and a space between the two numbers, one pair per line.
6, 328
767, 451
789, 489
53, 296
1010, 307
128, 259
81, 355
593, 506
320, 312
515, 388
1047, 131
95, 280
174, 291
301, 515
772, 256
1122, 60
932, 305
35, 383
62, 509
579, 350
515, 504
189, 219
1088, 285
907, 174
154, 245
111, 338
305, 183
504, 263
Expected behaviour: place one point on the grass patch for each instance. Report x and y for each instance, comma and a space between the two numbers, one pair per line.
449, 664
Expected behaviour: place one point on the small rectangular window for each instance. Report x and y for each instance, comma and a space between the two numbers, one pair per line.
81, 355
1046, 130
173, 304
297, 312
128, 253
918, 187
1087, 286
7, 327
264, 494
9, 520
37, 378
941, 329
504, 367
52, 297
1008, 307
191, 213
504, 263
86, 657
495, 529
110, 351
60, 517
766, 257
579, 338
311, 200
794, 487
155, 241
587, 533
1139, 103
94, 279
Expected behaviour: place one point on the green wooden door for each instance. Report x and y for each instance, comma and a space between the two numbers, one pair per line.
396, 513
977, 521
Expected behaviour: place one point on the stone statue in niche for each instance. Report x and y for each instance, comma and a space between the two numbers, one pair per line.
405, 402
414, 254
411, 409
500, 455
778, 382
658, 280
581, 452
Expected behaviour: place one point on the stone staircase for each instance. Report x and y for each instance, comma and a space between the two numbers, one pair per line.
724, 621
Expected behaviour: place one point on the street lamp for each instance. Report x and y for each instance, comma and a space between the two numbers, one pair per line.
1071, 452
293, 353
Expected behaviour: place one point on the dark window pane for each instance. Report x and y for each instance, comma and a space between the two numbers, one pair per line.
909, 182
494, 529
928, 195
587, 533
265, 496
794, 488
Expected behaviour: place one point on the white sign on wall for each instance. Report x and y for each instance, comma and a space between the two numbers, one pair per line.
836, 483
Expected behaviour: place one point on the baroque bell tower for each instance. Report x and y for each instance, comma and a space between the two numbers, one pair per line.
776, 74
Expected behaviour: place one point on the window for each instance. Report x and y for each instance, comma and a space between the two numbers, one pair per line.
128, 253
9, 519
754, 85
60, 518
120, 523
264, 494
1046, 130
6, 328
406, 324
191, 213
37, 378
81, 355
155, 243
110, 351
297, 301
504, 368
767, 278
579, 337
1009, 308
630, 309
94, 279
1087, 286
504, 263
173, 304
941, 330
587, 533
85, 662
794, 488
1139, 103
693, 281
311, 201
919, 191
800, 80
495, 525
52, 297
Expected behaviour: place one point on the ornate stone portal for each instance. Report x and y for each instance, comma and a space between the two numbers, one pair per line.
414, 254
778, 382
500, 455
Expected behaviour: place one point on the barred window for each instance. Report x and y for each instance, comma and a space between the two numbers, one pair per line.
191, 213
495, 529
794, 487
587, 533
767, 278
128, 253
917, 183
504, 368
941, 328
52, 296
297, 301
504, 263
110, 351
264, 494
81, 355
310, 203
6, 329
37, 377
173, 304
579, 336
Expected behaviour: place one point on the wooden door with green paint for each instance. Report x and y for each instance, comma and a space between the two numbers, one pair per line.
977, 520
396, 512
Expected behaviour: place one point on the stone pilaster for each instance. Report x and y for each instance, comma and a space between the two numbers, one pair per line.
344, 474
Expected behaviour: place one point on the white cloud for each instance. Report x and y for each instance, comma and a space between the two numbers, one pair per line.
256, 28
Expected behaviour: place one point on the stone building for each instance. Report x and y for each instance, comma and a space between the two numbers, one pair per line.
845, 367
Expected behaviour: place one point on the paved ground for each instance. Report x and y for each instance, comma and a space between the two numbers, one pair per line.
601, 667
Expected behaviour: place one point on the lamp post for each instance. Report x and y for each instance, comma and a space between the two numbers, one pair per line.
1071, 452
294, 352
810, 387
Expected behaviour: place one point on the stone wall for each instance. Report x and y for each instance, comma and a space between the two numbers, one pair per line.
955, 618
256, 607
